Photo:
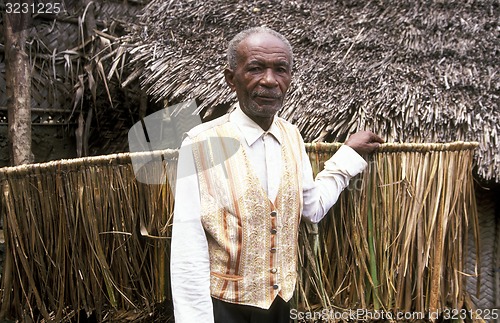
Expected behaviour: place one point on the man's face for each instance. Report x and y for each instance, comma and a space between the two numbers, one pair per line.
262, 75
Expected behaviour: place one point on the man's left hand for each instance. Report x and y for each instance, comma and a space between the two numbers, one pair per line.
364, 142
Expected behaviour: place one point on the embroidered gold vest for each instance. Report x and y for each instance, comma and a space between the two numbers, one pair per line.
252, 241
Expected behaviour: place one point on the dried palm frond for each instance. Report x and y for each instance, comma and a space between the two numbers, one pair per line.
395, 241
97, 240
411, 71
73, 234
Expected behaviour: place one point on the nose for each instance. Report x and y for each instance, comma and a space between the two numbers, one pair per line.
269, 78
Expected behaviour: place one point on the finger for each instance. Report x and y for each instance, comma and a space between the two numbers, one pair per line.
372, 147
377, 138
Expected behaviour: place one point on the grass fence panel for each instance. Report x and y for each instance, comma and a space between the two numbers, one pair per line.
85, 235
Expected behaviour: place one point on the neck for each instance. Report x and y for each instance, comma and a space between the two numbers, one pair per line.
263, 122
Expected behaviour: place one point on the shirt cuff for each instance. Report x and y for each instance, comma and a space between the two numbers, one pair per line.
348, 160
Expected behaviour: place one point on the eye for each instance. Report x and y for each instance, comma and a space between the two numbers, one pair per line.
254, 69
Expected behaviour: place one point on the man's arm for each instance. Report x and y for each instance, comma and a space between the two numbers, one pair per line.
323, 192
189, 264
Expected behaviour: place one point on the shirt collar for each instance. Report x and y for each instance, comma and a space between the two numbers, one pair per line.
250, 130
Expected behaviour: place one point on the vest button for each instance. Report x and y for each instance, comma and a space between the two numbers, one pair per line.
274, 231
274, 270
273, 250
275, 286
274, 213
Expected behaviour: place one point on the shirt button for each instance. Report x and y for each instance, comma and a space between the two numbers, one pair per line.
274, 231
275, 286
273, 250
274, 213
274, 270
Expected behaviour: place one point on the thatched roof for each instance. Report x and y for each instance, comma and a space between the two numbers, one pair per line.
57, 52
412, 71
65, 80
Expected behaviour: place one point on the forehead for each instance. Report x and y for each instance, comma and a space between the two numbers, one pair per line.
263, 47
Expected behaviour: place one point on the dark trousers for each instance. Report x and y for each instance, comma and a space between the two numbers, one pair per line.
225, 312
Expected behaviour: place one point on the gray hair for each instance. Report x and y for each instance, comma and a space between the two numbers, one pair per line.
233, 44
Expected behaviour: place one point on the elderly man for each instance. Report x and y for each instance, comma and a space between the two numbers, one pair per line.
236, 221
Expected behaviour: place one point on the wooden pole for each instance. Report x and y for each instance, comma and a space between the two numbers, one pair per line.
18, 90
18, 83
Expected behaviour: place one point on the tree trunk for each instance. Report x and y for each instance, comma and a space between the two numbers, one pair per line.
18, 82
18, 90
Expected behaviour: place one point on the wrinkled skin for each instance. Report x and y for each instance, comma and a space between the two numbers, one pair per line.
261, 79
364, 142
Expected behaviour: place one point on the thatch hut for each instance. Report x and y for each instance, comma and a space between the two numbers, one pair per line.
411, 71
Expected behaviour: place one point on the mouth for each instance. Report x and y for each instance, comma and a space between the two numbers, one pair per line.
267, 97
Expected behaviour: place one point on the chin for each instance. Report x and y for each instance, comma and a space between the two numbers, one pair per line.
266, 111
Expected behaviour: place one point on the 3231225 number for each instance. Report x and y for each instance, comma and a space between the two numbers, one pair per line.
33, 8
485, 314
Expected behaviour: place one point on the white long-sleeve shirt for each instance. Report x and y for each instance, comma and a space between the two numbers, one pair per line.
190, 266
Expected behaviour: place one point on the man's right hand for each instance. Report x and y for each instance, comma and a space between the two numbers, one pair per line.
364, 142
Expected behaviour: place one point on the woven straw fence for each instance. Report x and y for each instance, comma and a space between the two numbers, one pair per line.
83, 234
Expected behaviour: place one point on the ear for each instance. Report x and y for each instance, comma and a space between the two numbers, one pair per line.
229, 76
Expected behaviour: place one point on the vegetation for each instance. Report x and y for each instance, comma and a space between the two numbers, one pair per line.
84, 235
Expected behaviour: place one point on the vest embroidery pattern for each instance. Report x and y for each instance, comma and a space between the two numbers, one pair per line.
252, 241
